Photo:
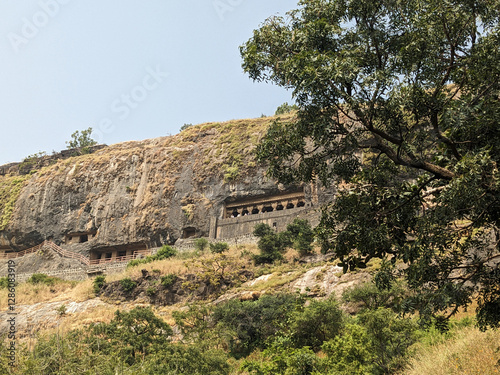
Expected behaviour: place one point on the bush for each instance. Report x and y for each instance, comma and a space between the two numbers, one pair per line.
249, 325
349, 353
301, 235
285, 361
272, 245
41, 278
164, 253
371, 297
168, 280
98, 283
4, 282
200, 244
219, 247
316, 323
127, 284
285, 108
151, 291
389, 339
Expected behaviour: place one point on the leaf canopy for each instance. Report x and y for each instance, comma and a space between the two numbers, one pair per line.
399, 108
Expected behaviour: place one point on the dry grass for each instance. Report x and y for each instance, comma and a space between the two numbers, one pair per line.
30, 294
469, 352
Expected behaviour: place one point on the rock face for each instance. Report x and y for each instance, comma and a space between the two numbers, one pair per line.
146, 193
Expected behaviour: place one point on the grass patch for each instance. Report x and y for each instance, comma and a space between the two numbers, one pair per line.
10, 189
469, 351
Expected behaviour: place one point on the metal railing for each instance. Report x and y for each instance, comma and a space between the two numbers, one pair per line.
138, 254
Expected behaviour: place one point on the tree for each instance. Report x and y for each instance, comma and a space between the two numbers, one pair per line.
400, 101
82, 141
272, 245
285, 108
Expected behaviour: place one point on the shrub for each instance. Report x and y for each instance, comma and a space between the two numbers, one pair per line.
127, 284
316, 323
349, 353
249, 325
389, 338
200, 244
4, 282
271, 244
151, 291
98, 283
131, 335
164, 253
41, 278
285, 108
168, 280
301, 235
219, 247
371, 297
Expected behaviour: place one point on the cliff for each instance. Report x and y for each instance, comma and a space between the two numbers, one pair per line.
149, 192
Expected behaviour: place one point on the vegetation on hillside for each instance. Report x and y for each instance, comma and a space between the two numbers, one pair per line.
416, 84
10, 189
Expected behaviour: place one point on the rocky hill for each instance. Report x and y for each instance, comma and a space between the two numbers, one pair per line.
140, 193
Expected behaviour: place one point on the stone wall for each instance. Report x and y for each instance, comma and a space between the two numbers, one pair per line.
278, 220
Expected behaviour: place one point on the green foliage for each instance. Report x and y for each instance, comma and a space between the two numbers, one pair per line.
400, 103
301, 235
200, 244
41, 278
131, 335
197, 325
30, 162
98, 283
249, 325
219, 247
4, 282
185, 126
285, 108
82, 140
389, 339
61, 310
133, 343
168, 280
371, 297
349, 353
271, 244
231, 172
164, 253
285, 361
151, 291
127, 284
318, 322
10, 189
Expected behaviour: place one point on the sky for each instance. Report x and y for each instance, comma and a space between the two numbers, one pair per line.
129, 69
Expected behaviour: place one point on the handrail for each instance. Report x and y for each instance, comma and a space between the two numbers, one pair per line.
72, 255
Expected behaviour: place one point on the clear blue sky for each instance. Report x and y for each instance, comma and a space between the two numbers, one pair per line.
129, 69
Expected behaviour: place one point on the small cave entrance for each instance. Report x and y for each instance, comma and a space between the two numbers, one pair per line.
79, 237
189, 232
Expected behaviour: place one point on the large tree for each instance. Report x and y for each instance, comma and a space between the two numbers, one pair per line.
399, 107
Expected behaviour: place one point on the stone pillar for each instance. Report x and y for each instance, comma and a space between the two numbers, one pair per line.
213, 227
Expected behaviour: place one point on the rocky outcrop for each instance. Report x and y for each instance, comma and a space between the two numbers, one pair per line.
140, 192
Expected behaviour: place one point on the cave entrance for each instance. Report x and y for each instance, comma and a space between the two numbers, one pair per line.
189, 232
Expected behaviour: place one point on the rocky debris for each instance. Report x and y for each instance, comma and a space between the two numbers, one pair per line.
242, 296
317, 258
42, 316
322, 281
258, 280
